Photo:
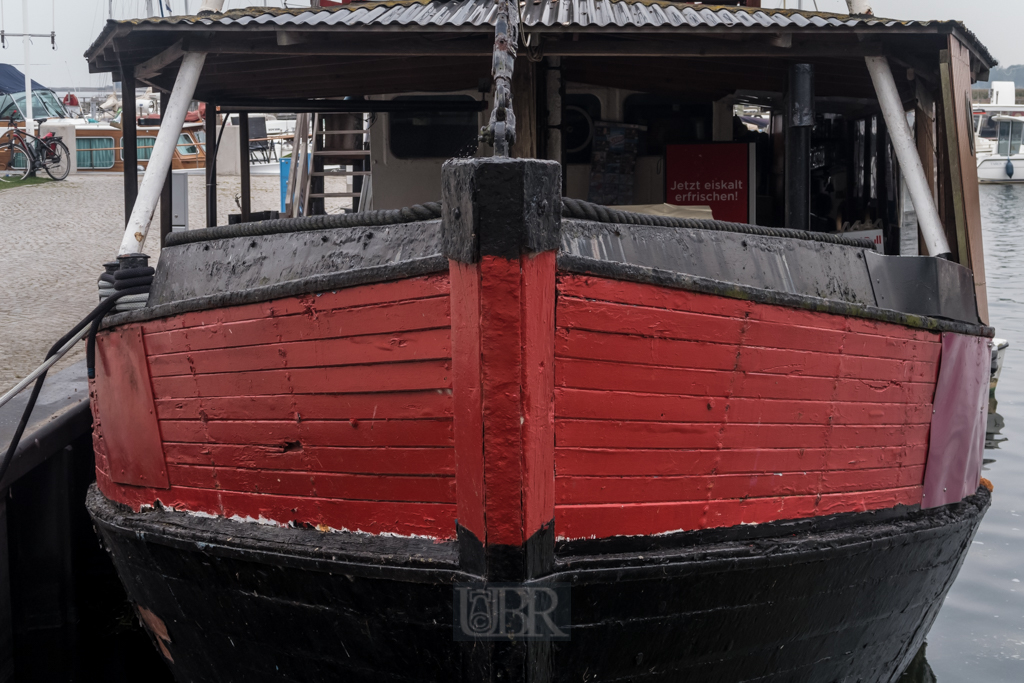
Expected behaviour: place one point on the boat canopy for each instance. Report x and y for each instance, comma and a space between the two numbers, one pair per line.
45, 103
1011, 133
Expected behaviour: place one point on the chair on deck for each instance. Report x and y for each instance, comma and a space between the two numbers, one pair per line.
260, 149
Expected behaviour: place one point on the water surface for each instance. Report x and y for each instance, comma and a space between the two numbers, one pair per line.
979, 635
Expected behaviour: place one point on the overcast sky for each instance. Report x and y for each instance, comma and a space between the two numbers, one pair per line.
998, 23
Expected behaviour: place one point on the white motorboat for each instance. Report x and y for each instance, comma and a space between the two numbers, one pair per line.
1005, 163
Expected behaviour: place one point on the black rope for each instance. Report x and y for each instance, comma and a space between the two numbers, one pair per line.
571, 208
94, 317
417, 212
575, 208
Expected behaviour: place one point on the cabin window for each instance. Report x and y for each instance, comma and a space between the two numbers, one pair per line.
45, 105
427, 135
201, 137
186, 146
1010, 134
95, 152
988, 128
144, 147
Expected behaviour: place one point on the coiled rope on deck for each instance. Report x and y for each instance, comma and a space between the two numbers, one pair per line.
274, 226
575, 208
571, 208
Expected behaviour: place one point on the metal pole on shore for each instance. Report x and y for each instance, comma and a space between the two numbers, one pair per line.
26, 41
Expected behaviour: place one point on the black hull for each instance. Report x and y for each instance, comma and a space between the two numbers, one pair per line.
848, 598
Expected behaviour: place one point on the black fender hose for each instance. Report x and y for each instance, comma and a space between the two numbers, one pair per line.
94, 317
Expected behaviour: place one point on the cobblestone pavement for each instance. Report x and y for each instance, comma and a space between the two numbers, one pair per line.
54, 239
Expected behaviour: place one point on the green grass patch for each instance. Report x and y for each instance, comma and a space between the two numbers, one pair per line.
8, 182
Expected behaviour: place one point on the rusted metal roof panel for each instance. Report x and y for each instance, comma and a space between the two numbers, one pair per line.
553, 14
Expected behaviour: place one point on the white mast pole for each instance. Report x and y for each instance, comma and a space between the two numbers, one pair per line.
171, 123
905, 147
159, 165
859, 6
26, 42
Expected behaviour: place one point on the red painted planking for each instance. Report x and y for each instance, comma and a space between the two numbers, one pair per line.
503, 323
538, 380
580, 521
124, 411
636, 406
718, 486
468, 400
296, 456
364, 295
501, 353
355, 379
666, 397
625, 462
433, 403
425, 489
379, 348
420, 314
330, 410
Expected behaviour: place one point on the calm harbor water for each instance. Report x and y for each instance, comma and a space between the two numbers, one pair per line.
979, 635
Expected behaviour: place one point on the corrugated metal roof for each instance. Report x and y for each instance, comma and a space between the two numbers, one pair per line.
540, 14
551, 13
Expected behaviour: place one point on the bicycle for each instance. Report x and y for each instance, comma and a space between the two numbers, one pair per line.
45, 153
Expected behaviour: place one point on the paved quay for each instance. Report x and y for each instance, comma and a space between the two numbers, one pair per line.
54, 239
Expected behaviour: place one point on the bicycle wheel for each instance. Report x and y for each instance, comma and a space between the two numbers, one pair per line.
57, 163
20, 160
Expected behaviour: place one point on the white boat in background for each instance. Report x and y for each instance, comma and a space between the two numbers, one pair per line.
1003, 103
1005, 163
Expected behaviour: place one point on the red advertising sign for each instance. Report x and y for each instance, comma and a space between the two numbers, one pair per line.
719, 175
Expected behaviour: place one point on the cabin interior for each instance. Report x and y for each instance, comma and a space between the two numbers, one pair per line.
613, 98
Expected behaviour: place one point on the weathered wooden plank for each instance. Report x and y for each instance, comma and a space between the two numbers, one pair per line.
605, 375
436, 520
620, 405
468, 402
349, 433
584, 521
644, 350
646, 321
335, 486
356, 379
403, 404
308, 458
582, 287
625, 462
575, 490
364, 295
421, 314
123, 408
392, 347
682, 435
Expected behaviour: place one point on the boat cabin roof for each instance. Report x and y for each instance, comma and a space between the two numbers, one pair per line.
707, 51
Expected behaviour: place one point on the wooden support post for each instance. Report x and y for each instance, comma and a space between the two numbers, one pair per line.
961, 158
243, 154
165, 193
211, 164
524, 104
500, 230
129, 149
